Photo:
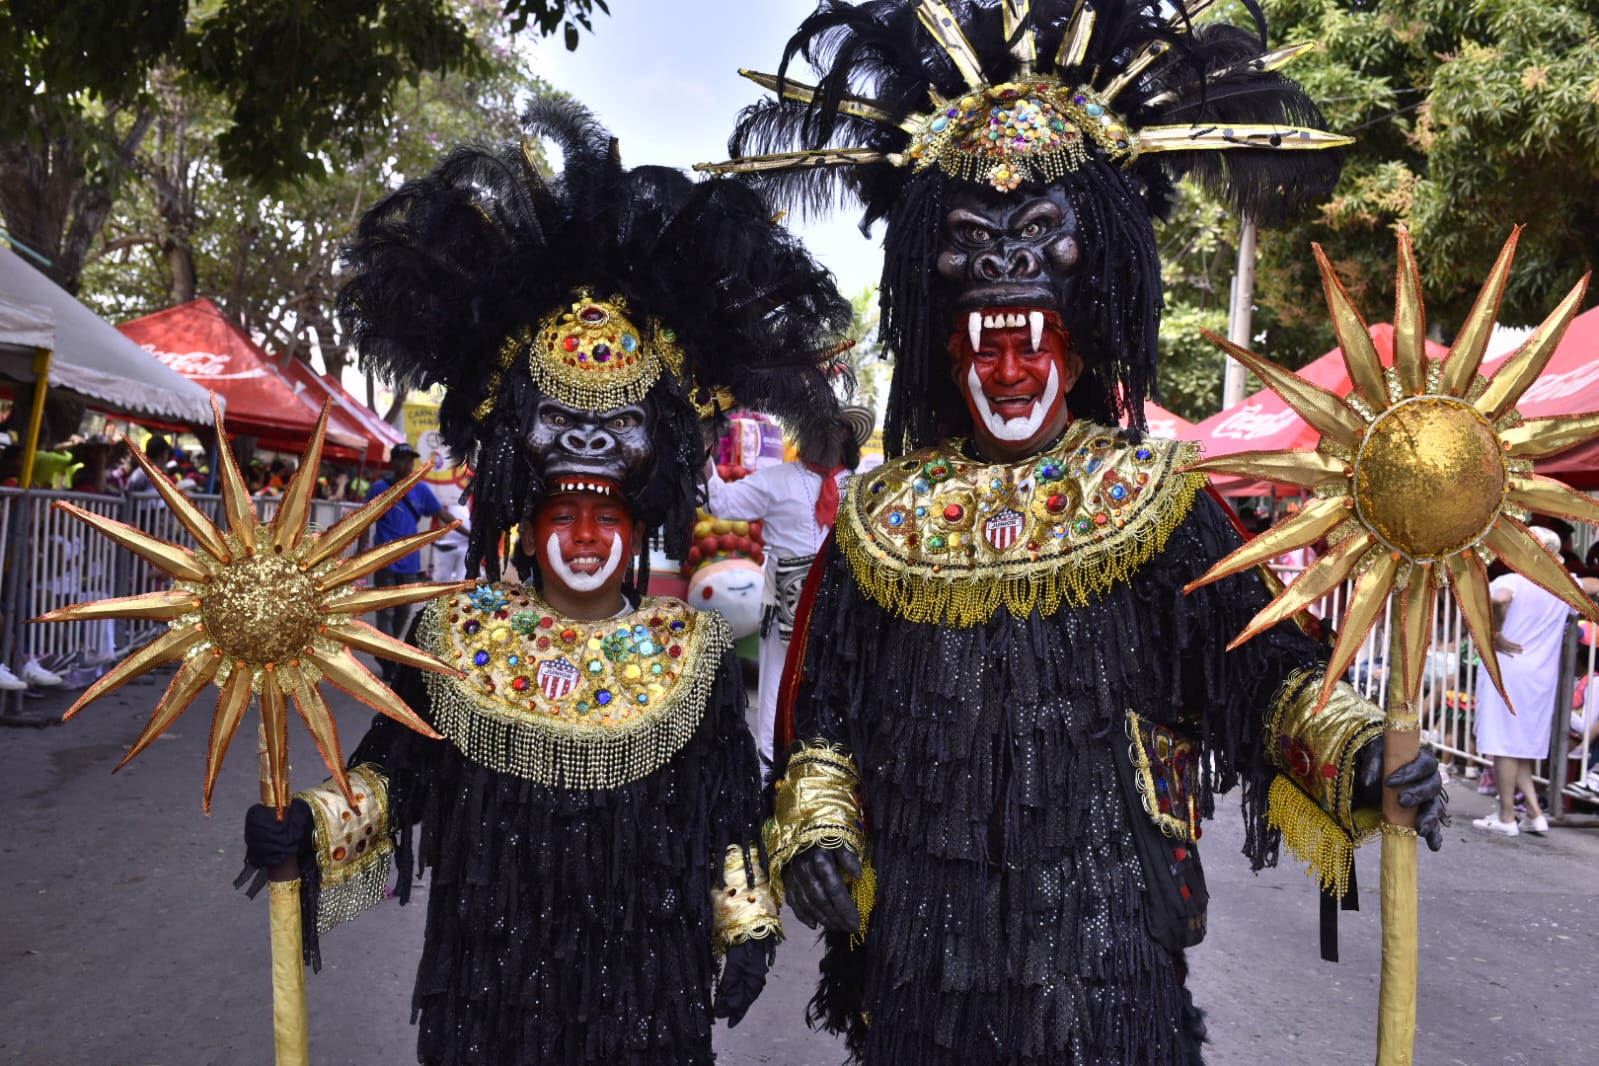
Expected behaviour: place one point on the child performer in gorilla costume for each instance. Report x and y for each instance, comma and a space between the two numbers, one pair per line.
589, 817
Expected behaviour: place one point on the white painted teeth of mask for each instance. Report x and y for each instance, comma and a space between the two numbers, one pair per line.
976, 322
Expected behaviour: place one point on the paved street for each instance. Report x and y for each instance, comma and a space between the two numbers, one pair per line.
122, 942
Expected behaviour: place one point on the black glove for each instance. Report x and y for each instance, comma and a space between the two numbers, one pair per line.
268, 841
1420, 787
743, 976
815, 890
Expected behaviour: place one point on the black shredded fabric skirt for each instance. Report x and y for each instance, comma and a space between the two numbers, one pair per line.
569, 928
1011, 925
1021, 964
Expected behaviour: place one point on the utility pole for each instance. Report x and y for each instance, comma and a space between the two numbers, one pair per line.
1240, 315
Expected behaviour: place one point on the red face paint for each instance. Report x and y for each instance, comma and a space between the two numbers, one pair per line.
1014, 367
582, 541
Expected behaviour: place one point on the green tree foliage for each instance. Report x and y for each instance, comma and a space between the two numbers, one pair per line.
1469, 116
1197, 263
269, 260
295, 89
868, 361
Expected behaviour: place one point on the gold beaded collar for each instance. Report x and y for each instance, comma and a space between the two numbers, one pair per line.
575, 704
940, 537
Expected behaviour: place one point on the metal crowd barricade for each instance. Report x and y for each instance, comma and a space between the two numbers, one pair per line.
65, 564
58, 561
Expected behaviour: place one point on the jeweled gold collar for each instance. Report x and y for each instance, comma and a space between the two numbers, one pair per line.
576, 704
940, 537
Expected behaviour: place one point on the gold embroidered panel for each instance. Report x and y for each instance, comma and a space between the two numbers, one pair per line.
940, 537
579, 704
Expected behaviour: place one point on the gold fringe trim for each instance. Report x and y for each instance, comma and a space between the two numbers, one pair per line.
814, 807
864, 892
1312, 836
964, 597
565, 755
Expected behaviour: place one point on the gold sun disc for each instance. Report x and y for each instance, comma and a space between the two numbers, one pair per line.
1430, 476
261, 609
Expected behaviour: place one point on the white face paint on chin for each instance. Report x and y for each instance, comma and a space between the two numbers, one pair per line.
1014, 429
582, 582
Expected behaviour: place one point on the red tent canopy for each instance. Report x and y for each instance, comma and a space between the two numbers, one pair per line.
374, 423
1569, 386
347, 416
199, 342
1262, 422
1162, 423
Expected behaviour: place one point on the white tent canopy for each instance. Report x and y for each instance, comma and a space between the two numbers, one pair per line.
89, 356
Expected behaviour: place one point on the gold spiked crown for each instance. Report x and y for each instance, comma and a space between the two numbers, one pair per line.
1036, 126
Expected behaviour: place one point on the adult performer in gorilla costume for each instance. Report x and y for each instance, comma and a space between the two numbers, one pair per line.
1008, 717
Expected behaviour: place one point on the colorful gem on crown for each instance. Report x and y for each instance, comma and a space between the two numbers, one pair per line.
1006, 134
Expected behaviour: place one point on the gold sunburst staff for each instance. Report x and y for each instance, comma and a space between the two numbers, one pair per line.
264, 608
1422, 476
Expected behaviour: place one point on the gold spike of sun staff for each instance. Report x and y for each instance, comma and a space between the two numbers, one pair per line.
1422, 475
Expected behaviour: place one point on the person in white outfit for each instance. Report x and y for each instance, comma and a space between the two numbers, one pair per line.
449, 551
797, 501
1529, 624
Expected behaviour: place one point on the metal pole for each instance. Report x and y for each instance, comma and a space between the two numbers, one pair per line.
41, 384
1240, 314
1560, 741
1396, 996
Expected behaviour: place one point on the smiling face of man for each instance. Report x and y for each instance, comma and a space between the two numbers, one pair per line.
1014, 367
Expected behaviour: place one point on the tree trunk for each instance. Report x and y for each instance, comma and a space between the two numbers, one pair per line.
180, 261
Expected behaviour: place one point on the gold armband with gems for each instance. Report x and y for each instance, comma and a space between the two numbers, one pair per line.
815, 806
1312, 799
744, 905
353, 847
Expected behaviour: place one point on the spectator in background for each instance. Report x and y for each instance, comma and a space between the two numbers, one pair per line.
159, 451
449, 551
401, 520
797, 502
1529, 625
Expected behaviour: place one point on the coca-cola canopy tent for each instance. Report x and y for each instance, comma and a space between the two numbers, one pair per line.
1569, 385
348, 417
1262, 422
371, 421
199, 342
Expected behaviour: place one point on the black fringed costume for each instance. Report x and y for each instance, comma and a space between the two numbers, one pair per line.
567, 925
589, 818
1005, 705
1012, 920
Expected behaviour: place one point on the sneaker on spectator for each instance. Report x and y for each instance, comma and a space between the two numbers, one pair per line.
1494, 825
1539, 825
1472, 771
1485, 782
38, 676
10, 682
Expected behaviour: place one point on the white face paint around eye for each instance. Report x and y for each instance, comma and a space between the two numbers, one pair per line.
1014, 429
582, 582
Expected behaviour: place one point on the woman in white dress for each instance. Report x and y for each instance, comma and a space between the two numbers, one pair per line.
1529, 624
